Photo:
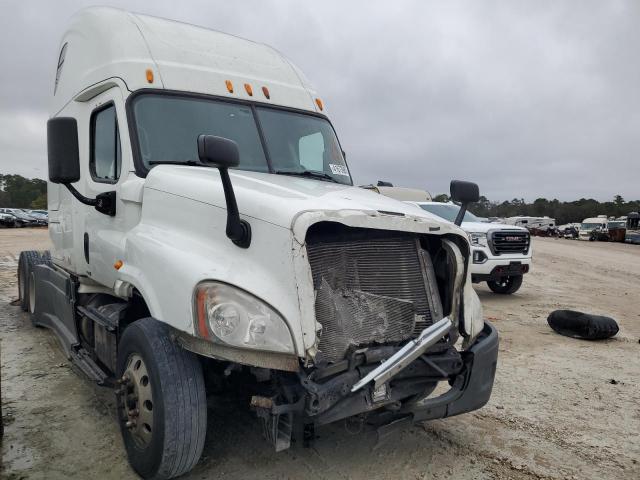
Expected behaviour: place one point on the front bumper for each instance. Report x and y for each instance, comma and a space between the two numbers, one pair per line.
321, 401
471, 388
497, 269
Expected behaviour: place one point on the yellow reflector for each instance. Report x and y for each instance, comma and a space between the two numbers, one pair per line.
249, 90
118, 264
319, 103
229, 85
149, 75
265, 90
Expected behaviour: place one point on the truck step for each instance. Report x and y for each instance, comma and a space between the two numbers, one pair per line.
110, 323
91, 369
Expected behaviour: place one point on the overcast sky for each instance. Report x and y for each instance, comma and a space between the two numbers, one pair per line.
528, 99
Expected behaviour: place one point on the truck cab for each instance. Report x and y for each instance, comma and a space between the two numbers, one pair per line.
206, 231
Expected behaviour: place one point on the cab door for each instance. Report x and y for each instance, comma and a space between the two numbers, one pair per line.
107, 168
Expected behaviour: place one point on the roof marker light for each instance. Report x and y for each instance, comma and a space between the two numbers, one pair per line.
149, 73
319, 104
229, 86
249, 90
265, 90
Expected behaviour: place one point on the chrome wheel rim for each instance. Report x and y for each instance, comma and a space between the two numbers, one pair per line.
136, 400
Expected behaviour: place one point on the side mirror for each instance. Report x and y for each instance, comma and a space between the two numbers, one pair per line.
62, 150
64, 162
218, 152
465, 193
223, 153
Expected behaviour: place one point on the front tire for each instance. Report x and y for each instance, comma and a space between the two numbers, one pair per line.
506, 285
162, 405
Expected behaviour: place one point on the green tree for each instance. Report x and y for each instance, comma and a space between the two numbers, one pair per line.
40, 203
19, 192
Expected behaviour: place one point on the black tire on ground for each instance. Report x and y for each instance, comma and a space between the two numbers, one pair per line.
506, 285
26, 261
179, 407
582, 325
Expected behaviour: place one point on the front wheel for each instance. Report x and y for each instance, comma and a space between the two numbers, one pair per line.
506, 285
162, 405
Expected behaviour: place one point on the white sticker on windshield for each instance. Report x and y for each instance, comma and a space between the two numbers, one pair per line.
339, 169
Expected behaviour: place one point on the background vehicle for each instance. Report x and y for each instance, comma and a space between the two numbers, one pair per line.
616, 230
20, 219
537, 226
501, 254
7, 220
593, 228
205, 226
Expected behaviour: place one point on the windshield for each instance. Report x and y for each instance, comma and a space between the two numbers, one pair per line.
448, 211
168, 127
619, 224
590, 226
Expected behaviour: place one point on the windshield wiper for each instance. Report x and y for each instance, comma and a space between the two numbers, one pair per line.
308, 173
190, 163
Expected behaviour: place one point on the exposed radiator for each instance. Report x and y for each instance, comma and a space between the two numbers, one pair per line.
371, 286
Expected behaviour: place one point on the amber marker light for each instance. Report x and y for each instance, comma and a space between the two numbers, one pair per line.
319, 104
229, 86
118, 265
265, 90
249, 90
149, 75
201, 297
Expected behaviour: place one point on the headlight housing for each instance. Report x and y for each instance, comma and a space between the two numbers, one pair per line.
230, 316
478, 238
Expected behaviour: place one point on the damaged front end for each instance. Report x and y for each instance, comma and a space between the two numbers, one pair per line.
390, 309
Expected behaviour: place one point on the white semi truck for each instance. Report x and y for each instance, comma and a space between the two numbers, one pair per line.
206, 231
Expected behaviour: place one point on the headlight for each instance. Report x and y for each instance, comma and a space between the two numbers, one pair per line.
477, 238
233, 317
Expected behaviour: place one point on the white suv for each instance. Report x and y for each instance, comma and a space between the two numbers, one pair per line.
501, 253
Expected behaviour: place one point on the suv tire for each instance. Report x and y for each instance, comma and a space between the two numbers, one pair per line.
506, 285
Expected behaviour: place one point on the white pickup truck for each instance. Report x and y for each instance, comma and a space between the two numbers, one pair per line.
501, 254
206, 231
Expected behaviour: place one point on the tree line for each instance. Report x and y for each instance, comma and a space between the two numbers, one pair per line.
17, 191
563, 212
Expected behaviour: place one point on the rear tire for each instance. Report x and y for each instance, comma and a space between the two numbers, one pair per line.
506, 285
26, 262
163, 399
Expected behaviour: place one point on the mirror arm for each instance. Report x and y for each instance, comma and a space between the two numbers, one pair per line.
461, 213
238, 230
81, 198
104, 203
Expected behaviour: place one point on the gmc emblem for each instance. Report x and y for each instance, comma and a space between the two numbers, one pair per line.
512, 239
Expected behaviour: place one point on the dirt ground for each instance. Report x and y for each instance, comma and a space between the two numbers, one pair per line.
561, 407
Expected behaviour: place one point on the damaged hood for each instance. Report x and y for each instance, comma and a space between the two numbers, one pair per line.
289, 201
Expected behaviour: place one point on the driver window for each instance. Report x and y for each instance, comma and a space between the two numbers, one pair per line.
106, 155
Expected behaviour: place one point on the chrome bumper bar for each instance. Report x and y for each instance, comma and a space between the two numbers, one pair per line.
407, 354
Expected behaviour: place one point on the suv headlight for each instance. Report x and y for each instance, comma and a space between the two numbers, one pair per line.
231, 316
477, 238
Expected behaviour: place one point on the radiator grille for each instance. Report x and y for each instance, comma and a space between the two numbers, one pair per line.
504, 241
369, 289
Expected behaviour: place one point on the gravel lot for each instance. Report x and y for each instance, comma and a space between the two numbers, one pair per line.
561, 408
